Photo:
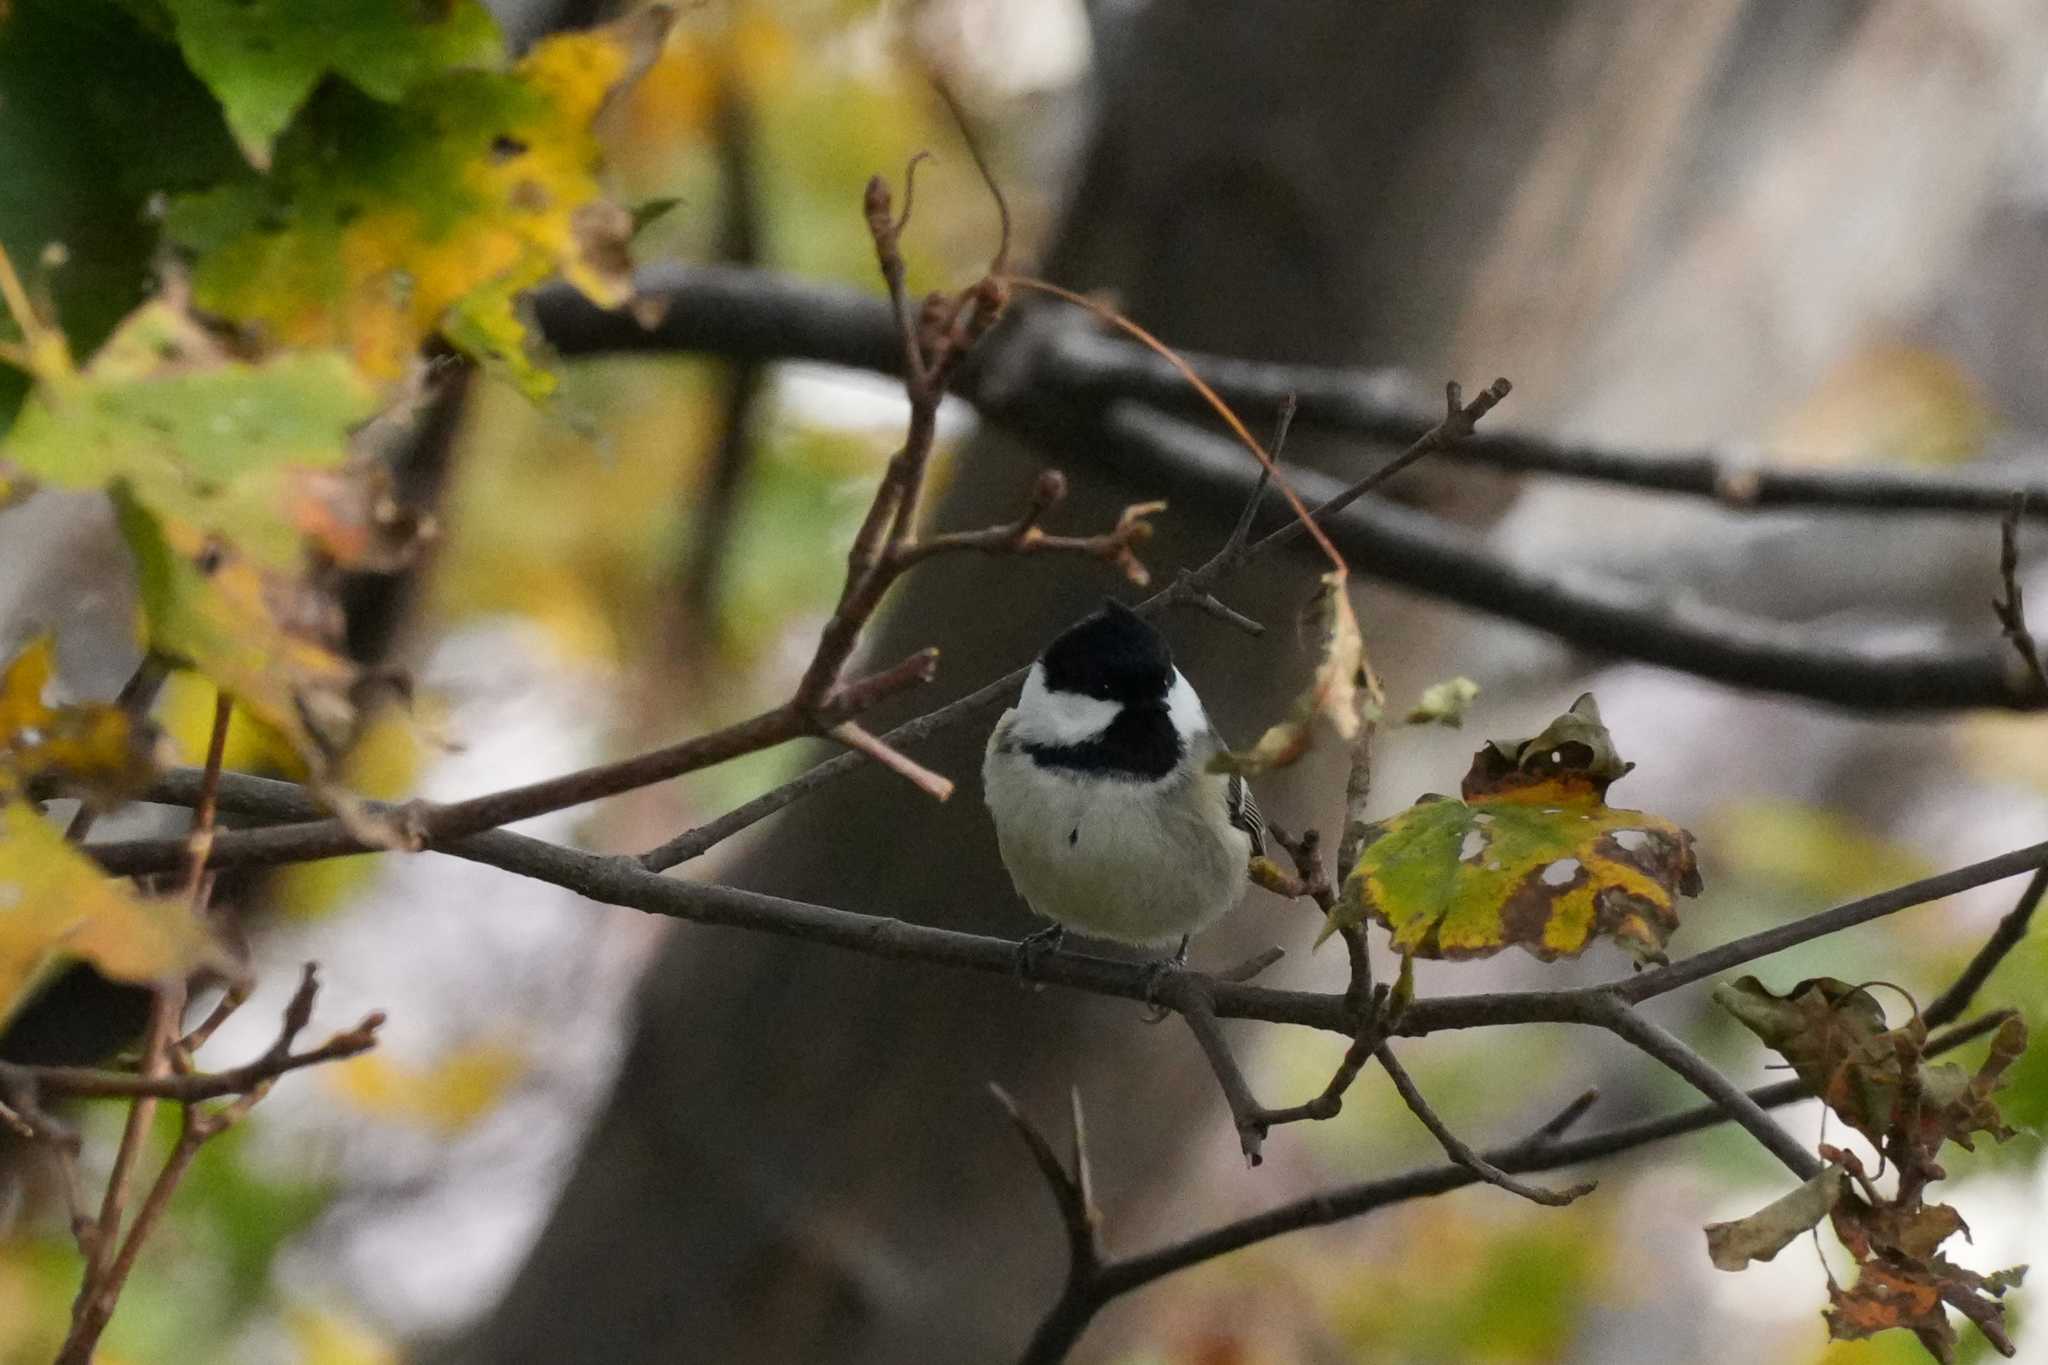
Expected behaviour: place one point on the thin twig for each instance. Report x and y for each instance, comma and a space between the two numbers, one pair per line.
1459, 1151
2011, 931
854, 736
1665, 1047
2011, 610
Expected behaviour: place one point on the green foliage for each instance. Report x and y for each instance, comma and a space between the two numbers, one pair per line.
262, 58
87, 89
212, 609
1532, 856
380, 219
230, 447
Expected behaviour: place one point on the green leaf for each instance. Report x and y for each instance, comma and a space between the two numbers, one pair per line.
233, 447
379, 219
262, 58
56, 905
258, 636
1768, 1231
88, 89
1531, 857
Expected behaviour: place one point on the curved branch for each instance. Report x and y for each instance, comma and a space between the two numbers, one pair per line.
767, 315
1068, 400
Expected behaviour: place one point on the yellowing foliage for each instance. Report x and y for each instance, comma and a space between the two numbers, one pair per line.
55, 904
383, 223
1532, 856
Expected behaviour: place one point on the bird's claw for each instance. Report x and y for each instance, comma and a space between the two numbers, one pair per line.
1033, 947
1155, 976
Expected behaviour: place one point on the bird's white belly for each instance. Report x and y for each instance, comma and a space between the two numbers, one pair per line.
1137, 862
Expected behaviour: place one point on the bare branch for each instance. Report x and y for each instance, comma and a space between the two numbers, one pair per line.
1457, 1150
1048, 395
1665, 1046
2011, 610
2012, 929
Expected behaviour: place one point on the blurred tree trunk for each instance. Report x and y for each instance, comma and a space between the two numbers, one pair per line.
799, 1162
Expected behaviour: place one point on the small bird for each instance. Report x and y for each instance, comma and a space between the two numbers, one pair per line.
1109, 819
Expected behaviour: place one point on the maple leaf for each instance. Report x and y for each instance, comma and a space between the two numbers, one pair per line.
1531, 856
383, 223
250, 451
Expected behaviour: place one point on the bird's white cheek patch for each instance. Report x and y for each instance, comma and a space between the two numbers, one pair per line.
1048, 717
1185, 708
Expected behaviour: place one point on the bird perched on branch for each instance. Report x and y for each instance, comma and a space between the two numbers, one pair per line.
1110, 821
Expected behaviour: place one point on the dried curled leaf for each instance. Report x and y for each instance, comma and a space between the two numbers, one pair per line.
1836, 1038
89, 749
384, 223
1531, 856
1772, 1228
1332, 693
1876, 1079
56, 905
262, 638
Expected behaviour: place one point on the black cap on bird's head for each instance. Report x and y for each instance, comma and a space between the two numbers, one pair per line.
1113, 654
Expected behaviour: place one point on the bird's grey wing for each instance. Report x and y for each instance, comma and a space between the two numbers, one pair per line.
1244, 813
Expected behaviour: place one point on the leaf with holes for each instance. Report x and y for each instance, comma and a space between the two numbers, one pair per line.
1332, 693
262, 58
88, 749
56, 905
249, 451
381, 224
262, 638
1531, 856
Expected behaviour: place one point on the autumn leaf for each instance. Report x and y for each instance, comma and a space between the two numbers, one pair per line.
381, 224
56, 905
1531, 856
89, 749
262, 58
1768, 1231
1332, 693
1875, 1078
262, 638
1836, 1038
250, 451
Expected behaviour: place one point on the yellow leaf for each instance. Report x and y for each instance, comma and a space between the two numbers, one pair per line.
445, 1097
383, 223
55, 904
259, 637
1532, 856
91, 749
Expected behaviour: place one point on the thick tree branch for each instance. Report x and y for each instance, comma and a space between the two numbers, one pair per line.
767, 315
